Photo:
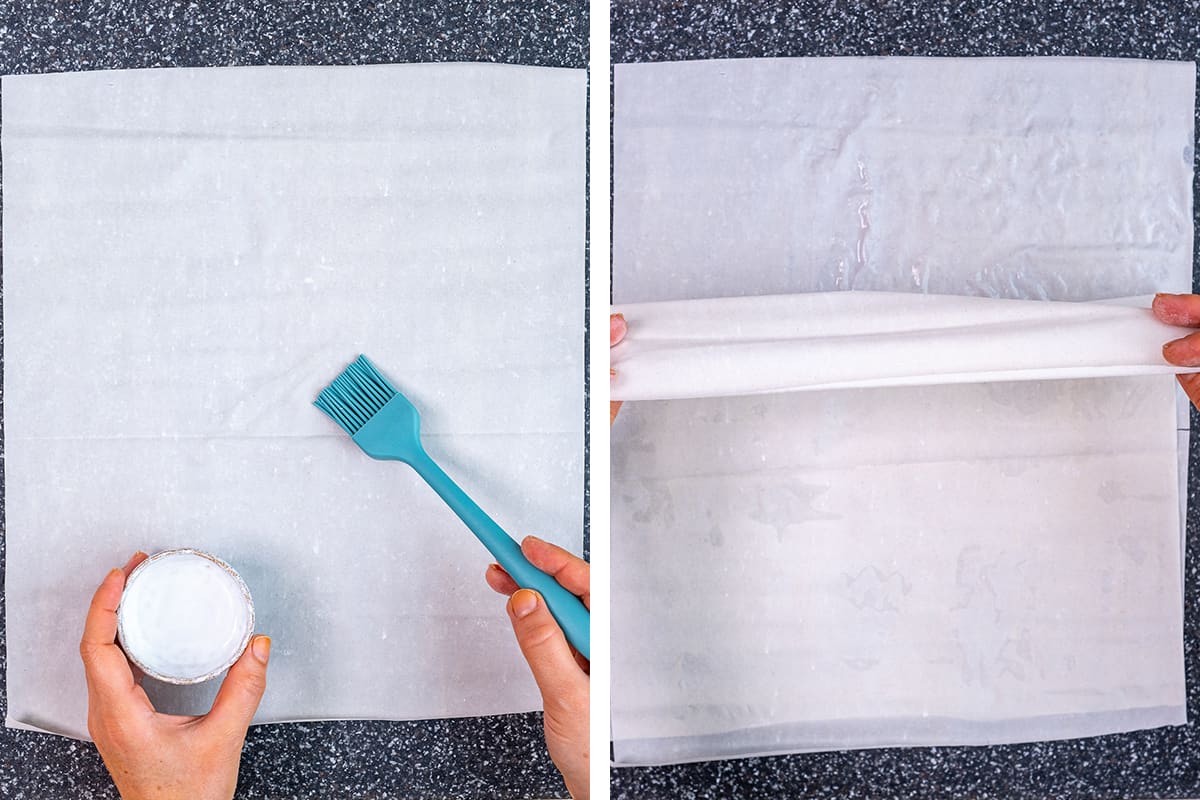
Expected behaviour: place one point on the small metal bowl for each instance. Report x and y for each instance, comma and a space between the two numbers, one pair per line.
189, 611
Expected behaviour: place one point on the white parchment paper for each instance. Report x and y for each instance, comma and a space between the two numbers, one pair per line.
957, 564
189, 257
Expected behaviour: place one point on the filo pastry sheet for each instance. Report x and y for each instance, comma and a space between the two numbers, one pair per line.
190, 255
939, 564
836, 340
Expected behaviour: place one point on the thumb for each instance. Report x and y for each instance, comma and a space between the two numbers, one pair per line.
545, 648
242, 689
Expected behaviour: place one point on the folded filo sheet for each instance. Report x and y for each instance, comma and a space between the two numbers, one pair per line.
834, 340
889, 565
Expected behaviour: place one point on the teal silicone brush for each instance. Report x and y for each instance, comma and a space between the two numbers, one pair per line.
387, 426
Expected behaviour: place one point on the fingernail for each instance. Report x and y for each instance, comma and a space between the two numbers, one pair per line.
1181, 353
524, 603
136, 555
261, 648
617, 324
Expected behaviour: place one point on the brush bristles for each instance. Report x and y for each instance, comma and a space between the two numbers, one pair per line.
355, 395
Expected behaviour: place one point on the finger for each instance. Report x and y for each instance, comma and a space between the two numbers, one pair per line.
242, 690
544, 647
1177, 309
500, 581
104, 664
137, 558
571, 571
100, 627
1183, 352
617, 328
1191, 387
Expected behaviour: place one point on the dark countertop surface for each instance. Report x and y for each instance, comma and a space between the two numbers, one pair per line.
491, 757
1156, 763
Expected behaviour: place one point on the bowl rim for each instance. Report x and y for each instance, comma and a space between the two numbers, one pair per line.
174, 679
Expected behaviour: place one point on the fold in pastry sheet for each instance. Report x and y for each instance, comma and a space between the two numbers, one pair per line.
839, 340
909, 565
189, 257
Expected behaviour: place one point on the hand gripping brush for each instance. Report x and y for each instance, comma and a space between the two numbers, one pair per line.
387, 426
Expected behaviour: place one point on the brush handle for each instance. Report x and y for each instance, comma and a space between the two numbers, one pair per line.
567, 609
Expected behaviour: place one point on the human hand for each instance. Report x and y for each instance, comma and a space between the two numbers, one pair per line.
560, 672
153, 756
1182, 309
617, 328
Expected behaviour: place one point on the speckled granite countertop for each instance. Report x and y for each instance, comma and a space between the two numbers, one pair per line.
495, 757
1158, 763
